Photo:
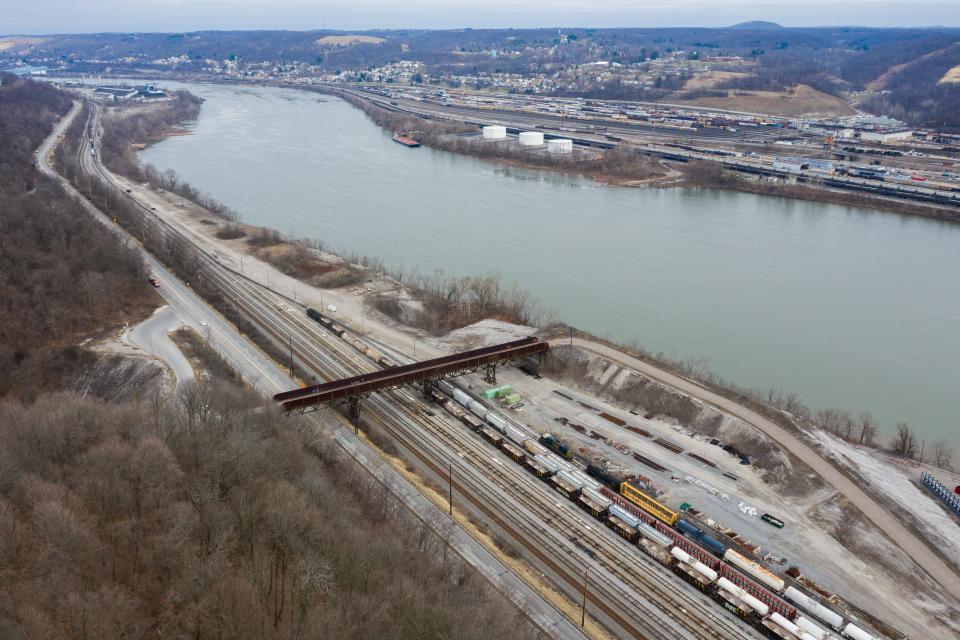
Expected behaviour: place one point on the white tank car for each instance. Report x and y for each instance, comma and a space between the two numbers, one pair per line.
856, 633
745, 597
811, 606
812, 629
687, 559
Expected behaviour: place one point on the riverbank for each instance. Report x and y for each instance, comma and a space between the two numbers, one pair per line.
626, 167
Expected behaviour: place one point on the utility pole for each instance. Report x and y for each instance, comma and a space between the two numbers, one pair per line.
923, 445
450, 489
414, 346
290, 335
583, 605
571, 336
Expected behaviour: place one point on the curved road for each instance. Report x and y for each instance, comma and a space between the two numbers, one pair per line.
914, 547
151, 335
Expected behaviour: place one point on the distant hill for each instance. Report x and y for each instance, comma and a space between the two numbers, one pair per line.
757, 24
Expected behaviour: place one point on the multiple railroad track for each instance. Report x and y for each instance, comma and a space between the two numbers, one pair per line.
626, 587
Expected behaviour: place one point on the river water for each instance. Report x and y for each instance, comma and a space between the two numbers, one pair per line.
846, 307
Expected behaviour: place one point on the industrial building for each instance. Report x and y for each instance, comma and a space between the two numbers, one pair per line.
887, 137
117, 93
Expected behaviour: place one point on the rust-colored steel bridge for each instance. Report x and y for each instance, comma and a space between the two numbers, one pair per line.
426, 373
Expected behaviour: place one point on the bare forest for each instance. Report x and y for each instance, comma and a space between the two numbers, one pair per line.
62, 276
213, 517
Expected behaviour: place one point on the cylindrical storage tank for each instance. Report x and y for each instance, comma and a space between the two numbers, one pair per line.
623, 514
497, 422
461, 397
494, 132
688, 529
811, 628
560, 145
762, 575
569, 479
531, 139
856, 633
681, 555
786, 624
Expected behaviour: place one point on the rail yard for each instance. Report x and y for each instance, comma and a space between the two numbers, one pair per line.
830, 153
645, 569
640, 604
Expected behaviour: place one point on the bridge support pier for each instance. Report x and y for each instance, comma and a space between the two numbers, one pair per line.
353, 410
428, 385
491, 374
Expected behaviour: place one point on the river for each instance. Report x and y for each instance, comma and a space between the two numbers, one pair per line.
846, 307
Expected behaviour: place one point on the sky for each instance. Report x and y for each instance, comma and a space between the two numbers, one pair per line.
84, 16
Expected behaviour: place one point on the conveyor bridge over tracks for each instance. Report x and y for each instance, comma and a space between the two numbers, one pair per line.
426, 373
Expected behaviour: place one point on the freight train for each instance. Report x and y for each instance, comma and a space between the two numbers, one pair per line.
739, 584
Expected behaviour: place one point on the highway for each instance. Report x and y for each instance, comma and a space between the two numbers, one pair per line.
627, 589
266, 376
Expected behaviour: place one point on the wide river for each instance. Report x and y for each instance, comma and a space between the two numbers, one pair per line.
848, 308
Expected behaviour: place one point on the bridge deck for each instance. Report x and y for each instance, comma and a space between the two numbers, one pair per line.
436, 368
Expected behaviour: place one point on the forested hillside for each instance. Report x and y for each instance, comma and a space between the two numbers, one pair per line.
214, 518
63, 277
206, 515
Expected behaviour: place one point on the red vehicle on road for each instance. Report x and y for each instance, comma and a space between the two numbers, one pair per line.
154, 282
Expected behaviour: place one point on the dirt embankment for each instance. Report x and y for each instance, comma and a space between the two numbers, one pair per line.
652, 399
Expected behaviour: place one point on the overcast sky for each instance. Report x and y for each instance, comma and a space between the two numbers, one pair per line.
82, 16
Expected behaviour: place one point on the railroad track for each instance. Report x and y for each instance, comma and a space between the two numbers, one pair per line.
664, 607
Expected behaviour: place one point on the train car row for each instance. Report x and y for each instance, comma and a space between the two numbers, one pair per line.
347, 337
737, 583
641, 520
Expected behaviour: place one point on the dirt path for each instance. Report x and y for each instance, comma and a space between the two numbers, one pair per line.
911, 545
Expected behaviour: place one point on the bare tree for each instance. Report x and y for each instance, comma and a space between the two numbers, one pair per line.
942, 453
868, 428
905, 442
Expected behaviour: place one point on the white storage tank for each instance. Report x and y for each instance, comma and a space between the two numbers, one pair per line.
494, 132
531, 139
560, 145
